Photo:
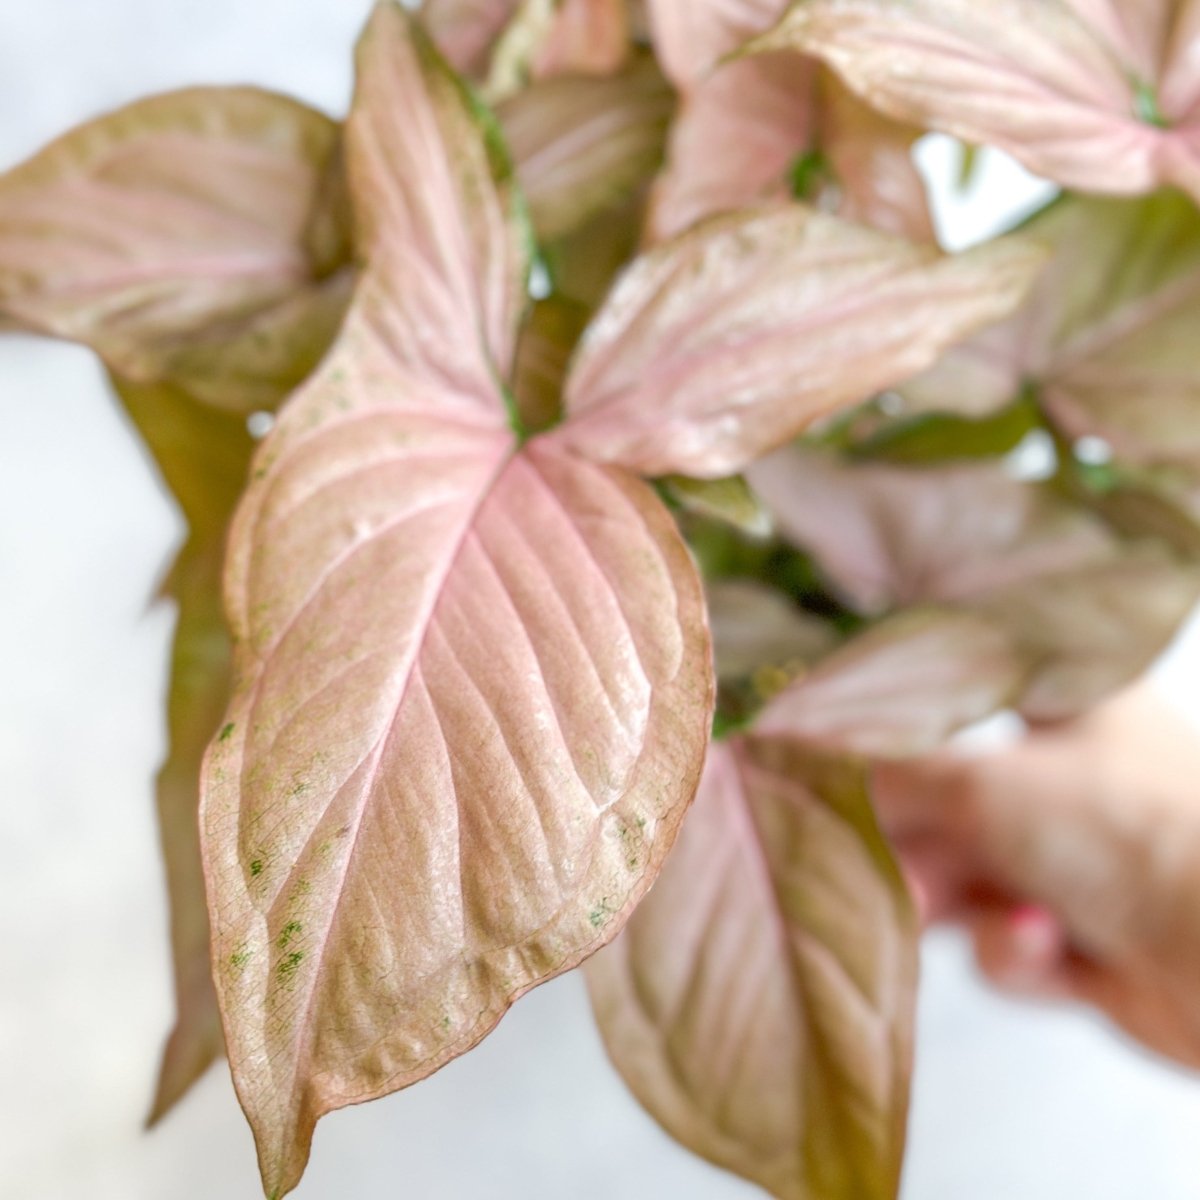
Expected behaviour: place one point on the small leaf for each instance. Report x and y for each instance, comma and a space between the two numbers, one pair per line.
584, 144
734, 140
690, 36
547, 38
1092, 631
890, 536
1104, 339
185, 239
901, 688
504, 43
759, 1003
729, 500
728, 340
755, 627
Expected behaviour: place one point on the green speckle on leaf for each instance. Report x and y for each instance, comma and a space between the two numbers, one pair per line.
290, 930
808, 173
1145, 105
225, 733
290, 965
239, 958
256, 867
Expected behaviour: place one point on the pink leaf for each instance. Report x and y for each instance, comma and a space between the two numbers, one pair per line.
472, 691
583, 144
436, 206
690, 36
466, 30
1092, 93
186, 238
892, 536
737, 134
472, 678
725, 342
901, 688
1094, 630
759, 1003
1104, 339
503, 42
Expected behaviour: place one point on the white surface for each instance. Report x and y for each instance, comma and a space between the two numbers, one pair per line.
1011, 1103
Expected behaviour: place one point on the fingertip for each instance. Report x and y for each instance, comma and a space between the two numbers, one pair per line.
1021, 949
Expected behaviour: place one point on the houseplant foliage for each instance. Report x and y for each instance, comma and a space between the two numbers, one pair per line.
636, 450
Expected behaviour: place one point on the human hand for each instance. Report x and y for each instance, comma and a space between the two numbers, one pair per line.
1074, 860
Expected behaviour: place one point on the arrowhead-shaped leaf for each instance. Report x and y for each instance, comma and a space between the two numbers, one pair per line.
202, 454
473, 681
1100, 95
187, 238
760, 1001
728, 340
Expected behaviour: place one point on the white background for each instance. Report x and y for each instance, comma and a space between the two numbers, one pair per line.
1011, 1103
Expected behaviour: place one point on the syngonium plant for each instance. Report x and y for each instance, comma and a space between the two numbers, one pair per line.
600, 324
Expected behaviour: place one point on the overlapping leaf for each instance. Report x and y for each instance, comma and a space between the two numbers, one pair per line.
202, 454
504, 43
583, 144
759, 1002
1054, 580
1101, 95
192, 238
900, 688
746, 125
726, 341
1105, 339
473, 683
690, 36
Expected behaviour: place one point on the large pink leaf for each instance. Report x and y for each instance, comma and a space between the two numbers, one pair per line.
889, 537
473, 689
473, 682
202, 455
901, 688
186, 238
726, 341
759, 1003
1091, 93
1105, 337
